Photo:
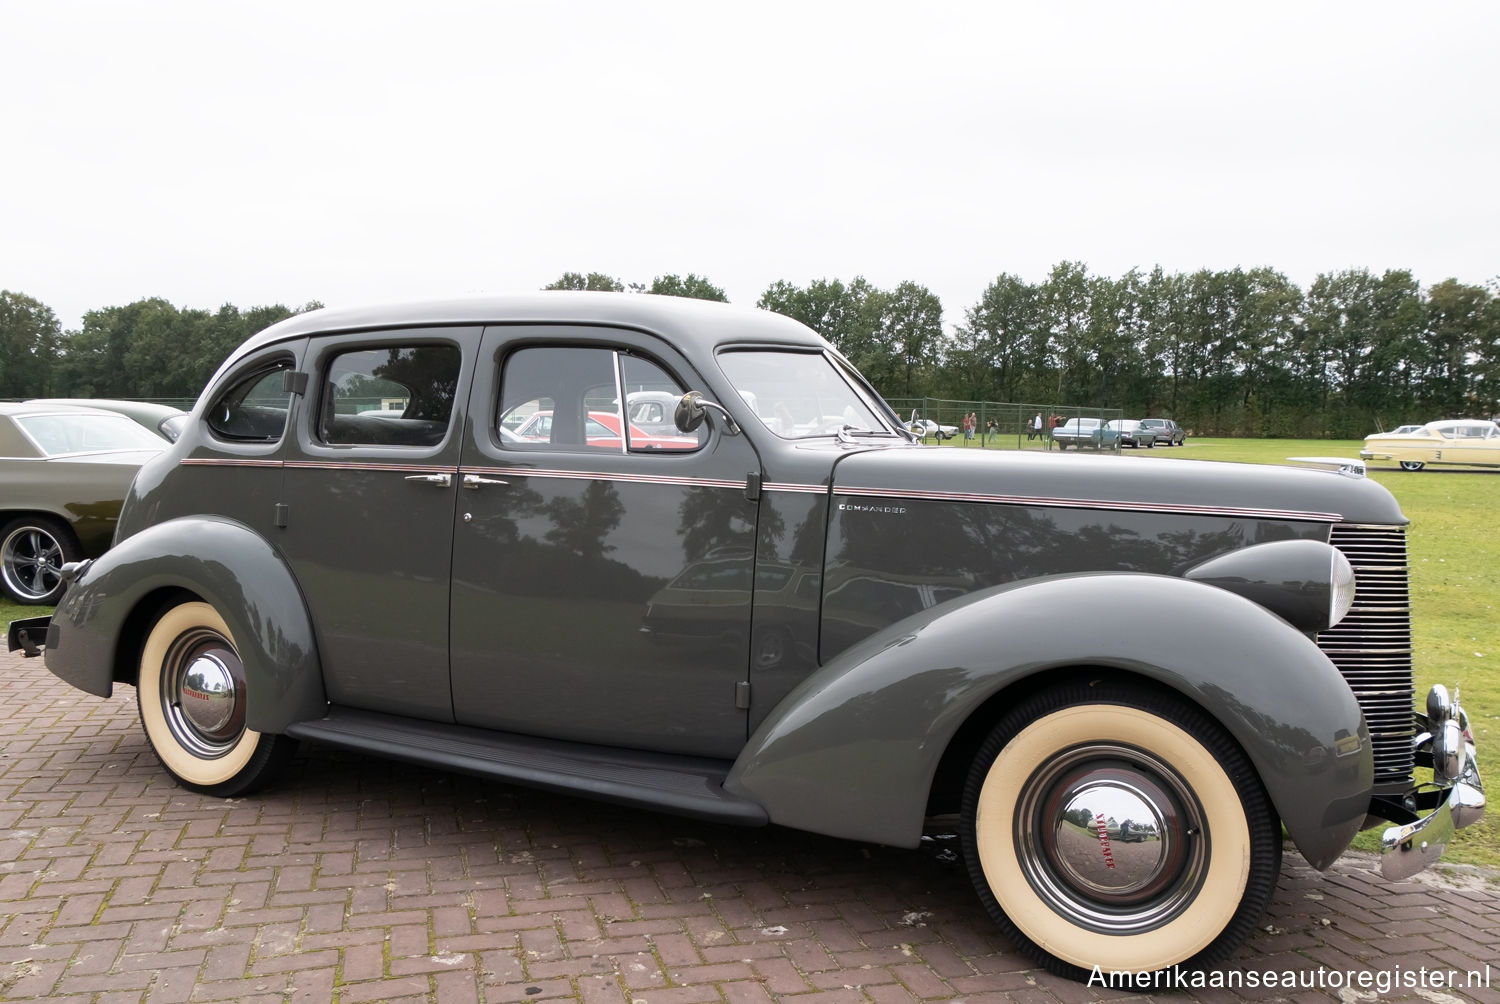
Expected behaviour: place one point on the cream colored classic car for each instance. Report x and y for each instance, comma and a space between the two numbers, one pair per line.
1455, 442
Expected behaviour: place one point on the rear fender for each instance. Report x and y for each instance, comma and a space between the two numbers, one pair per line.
853, 750
92, 641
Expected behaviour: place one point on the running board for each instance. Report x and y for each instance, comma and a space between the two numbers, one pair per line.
681, 785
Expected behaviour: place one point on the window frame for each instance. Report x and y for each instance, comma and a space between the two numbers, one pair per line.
619, 407
318, 426
247, 379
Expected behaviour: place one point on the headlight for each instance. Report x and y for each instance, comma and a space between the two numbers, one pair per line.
1306, 582
1342, 593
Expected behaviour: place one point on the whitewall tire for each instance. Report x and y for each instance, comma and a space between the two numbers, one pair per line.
191, 691
1121, 828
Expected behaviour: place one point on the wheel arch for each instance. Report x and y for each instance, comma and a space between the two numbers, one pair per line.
868, 743
105, 616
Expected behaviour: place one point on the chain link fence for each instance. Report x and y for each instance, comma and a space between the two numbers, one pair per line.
1001, 424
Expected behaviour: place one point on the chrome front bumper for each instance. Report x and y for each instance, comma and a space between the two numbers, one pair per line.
1445, 743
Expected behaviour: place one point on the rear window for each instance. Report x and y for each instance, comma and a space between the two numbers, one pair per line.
58, 435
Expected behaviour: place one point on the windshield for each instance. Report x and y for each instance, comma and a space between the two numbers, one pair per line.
75, 433
798, 395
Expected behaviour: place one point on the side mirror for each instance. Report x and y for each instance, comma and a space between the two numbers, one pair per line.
692, 409
690, 412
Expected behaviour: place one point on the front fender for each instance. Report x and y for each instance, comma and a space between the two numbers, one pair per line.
853, 750
224, 563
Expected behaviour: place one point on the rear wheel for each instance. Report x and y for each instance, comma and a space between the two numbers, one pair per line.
192, 693
1042, 811
33, 550
1412, 465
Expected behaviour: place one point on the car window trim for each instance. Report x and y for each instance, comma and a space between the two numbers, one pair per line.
618, 353
247, 379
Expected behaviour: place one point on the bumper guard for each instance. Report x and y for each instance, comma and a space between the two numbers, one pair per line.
1445, 743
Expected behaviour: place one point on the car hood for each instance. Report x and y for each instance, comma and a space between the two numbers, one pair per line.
1102, 482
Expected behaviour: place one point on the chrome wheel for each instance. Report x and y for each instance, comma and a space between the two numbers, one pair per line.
1074, 827
202, 693
770, 648
32, 553
1412, 465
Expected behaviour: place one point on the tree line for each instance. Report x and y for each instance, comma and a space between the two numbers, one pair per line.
1233, 352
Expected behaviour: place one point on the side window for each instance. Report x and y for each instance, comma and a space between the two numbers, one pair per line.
565, 398
652, 394
389, 396
254, 409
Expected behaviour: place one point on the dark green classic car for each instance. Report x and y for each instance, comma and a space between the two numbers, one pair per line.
785, 612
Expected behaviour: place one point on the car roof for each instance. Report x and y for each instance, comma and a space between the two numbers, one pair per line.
43, 408
1449, 424
681, 318
148, 409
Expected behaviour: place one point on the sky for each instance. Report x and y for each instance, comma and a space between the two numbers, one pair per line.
356, 153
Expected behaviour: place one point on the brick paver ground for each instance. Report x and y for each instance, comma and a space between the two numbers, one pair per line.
361, 880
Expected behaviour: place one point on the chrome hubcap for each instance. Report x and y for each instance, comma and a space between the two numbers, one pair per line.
202, 693
1111, 838
208, 694
32, 563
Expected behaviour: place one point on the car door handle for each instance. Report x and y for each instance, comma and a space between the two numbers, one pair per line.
474, 481
439, 480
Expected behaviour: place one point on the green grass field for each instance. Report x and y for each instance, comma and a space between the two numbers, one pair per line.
1455, 579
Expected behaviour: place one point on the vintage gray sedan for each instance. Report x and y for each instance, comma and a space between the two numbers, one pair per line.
793, 615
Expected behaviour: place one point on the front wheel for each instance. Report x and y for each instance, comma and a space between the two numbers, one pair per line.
192, 693
1412, 465
1042, 811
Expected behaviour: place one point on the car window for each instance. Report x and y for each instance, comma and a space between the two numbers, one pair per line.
568, 398
410, 386
55, 435
799, 395
254, 409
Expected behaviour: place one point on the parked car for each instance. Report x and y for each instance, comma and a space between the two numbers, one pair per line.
162, 419
926, 428
1086, 433
1449, 443
651, 411
1165, 431
476, 603
64, 472
1131, 433
602, 431
1400, 430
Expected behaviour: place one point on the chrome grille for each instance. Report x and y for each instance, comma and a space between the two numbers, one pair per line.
1372, 645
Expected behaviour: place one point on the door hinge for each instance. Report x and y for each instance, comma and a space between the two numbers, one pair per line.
280, 517
752, 486
742, 695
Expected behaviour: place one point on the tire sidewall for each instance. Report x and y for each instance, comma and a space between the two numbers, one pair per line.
191, 770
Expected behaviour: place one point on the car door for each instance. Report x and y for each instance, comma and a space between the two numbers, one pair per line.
368, 517
1486, 448
601, 588
234, 467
